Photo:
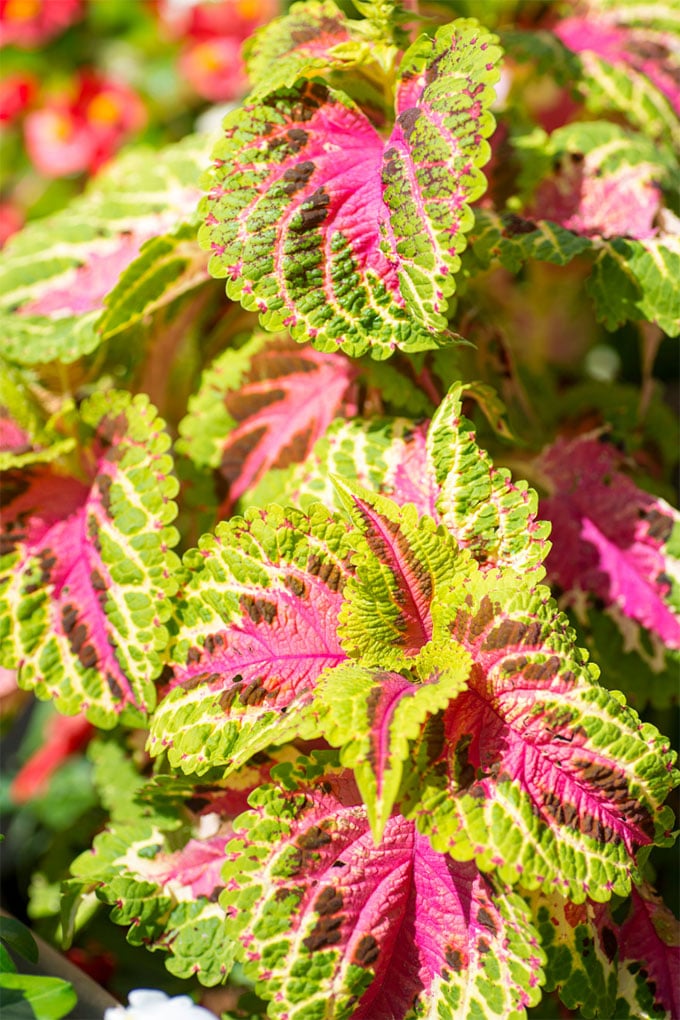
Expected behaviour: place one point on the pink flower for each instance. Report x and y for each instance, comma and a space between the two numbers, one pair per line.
28, 23
16, 92
78, 133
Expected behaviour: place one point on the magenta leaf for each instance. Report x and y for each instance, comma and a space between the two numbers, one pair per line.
86, 568
534, 768
629, 57
611, 539
323, 915
258, 627
262, 407
324, 227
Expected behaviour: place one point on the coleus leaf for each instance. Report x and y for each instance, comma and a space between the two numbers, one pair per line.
611, 539
372, 453
373, 714
534, 768
605, 181
160, 871
257, 627
444, 473
608, 964
369, 266
630, 280
330, 922
58, 270
87, 571
402, 562
629, 61
486, 511
261, 407
166, 267
310, 39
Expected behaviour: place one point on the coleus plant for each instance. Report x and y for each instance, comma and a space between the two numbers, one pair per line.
398, 760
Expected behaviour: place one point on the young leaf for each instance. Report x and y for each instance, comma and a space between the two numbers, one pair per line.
261, 407
365, 266
258, 626
373, 714
402, 561
310, 39
534, 768
329, 922
87, 569
611, 540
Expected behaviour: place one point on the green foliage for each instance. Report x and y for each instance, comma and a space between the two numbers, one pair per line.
379, 742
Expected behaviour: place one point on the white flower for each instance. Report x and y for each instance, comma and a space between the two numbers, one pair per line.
148, 1004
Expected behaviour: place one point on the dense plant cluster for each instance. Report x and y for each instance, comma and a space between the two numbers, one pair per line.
371, 726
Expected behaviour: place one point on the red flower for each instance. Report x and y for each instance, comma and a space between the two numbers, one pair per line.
73, 134
16, 92
211, 61
214, 69
28, 23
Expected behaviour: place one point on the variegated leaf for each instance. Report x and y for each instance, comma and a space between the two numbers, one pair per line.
534, 768
629, 58
256, 627
612, 541
485, 510
263, 406
87, 569
331, 925
311, 39
402, 562
374, 714
160, 871
58, 271
620, 961
367, 265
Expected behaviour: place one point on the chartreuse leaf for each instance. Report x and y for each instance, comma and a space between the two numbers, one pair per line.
402, 561
535, 769
283, 208
160, 870
332, 926
374, 714
47, 998
166, 267
617, 961
256, 627
487, 512
87, 571
59, 269
311, 39
261, 407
